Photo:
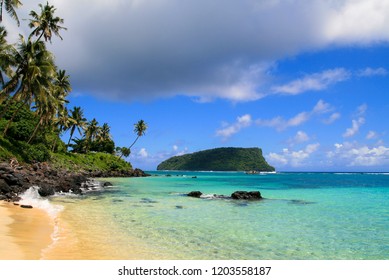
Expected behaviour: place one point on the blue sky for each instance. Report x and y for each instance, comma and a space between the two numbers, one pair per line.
307, 81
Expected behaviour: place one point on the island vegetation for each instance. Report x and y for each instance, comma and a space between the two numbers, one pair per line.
219, 159
34, 108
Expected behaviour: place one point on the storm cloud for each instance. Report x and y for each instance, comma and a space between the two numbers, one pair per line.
146, 49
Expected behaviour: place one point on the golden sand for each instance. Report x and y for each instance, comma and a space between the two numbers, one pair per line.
24, 233
31, 234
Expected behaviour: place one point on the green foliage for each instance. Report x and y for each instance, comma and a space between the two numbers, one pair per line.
88, 162
220, 159
22, 151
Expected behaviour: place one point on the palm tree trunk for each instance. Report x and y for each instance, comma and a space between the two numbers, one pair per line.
1, 10
35, 130
134, 142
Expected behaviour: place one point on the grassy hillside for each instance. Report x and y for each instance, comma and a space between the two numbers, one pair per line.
25, 153
220, 159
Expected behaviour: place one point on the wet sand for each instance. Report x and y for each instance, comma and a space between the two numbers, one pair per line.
24, 233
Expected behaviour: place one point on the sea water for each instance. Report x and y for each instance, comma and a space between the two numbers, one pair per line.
302, 216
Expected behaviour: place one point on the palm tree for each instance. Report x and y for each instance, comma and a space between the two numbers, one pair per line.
45, 23
91, 132
124, 151
140, 129
6, 58
10, 6
62, 123
104, 133
79, 122
49, 104
34, 75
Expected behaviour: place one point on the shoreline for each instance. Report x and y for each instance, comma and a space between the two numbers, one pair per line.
25, 233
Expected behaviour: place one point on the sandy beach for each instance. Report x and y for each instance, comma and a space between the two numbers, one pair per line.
24, 233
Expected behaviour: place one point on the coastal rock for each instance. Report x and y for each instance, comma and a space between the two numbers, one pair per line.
26, 206
107, 184
254, 195
195, 194
4, 187
46, 190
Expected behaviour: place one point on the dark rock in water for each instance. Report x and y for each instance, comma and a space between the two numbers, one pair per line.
148, 200
26, 206
45, 190
254, 195
195, 194
300, 202
179, 207
107, 184
194, 177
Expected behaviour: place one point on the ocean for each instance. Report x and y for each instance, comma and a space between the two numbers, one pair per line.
303, 216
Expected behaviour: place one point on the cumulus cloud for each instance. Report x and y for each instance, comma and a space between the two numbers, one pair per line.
231, 129
300, 137
131, 50
292, 158
354, 154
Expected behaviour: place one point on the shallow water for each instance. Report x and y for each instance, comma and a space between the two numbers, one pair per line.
303, 216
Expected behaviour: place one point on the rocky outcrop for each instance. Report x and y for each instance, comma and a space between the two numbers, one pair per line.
17, 179
238, 195
255, 195
195, 194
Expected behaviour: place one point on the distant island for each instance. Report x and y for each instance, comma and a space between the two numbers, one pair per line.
219, 159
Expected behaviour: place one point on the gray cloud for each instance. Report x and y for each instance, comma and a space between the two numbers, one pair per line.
205, 49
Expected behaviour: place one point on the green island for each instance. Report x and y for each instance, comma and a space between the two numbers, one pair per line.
219, 159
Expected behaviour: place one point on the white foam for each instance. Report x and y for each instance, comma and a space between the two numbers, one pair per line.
32, 197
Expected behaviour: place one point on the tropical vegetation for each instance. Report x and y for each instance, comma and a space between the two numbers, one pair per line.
34, 112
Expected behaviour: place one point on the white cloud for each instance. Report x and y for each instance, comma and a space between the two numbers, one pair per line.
369, 72
354, 154
314, 82
280, 123
371, 135
229, 130
143, 153
362, 21
292, 158
356, 123
332, 118
300, 137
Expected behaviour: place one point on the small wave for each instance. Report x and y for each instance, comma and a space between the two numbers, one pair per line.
32, 197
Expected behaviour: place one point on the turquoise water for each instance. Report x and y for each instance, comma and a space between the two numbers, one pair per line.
303, 216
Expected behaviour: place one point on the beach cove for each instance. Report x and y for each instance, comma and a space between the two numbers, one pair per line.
302, 216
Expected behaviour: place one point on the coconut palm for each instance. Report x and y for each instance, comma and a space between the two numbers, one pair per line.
33, 78
124, 151
79, 121
45, 23
48, 105
6, 59
140, 129
104, 133
10, 6
91, 132
62, 123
